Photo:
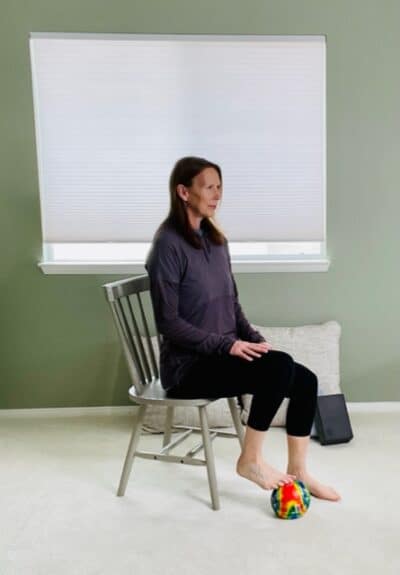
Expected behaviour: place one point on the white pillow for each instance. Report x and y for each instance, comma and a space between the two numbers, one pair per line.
315, 346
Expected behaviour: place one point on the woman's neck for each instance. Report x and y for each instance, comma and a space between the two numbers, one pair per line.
195, 222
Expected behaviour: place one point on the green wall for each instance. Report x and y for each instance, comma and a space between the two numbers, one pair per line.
57, 341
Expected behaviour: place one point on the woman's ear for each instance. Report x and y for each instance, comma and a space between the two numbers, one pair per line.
182, 192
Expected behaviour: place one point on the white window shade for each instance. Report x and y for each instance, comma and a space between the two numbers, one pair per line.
114, 113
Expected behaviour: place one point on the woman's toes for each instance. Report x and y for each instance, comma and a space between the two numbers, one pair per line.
263, 474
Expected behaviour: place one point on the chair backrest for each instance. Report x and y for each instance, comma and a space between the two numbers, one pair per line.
132, 318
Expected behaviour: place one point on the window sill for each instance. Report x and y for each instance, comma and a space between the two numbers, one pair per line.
248, 266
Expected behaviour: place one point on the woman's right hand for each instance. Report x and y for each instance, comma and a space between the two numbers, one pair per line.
249, 350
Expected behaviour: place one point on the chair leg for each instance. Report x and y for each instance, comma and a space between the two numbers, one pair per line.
209, 454
168, 425
236, 420
137, 428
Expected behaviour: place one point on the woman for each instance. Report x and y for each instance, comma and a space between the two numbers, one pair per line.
209, 349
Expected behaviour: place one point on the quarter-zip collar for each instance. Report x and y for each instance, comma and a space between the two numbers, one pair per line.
205, 242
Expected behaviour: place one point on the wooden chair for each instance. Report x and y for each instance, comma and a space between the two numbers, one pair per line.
132, 318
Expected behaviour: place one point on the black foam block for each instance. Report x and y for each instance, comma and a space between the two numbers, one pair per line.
332, 421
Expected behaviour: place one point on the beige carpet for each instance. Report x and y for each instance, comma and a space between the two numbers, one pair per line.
59, 513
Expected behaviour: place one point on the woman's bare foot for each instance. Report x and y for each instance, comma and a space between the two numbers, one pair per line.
262, 474
316, 488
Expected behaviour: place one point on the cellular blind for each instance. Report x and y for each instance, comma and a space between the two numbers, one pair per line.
114, 113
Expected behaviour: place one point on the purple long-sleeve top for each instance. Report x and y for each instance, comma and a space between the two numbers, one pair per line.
195, 301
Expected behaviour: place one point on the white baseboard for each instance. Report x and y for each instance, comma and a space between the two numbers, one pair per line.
69, 411
353, 407
373, 406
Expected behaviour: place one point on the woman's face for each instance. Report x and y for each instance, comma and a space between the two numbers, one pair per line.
203, 195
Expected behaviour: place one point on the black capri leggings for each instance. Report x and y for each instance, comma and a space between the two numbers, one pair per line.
269, 379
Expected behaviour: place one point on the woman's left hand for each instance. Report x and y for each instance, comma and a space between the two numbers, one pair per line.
249, 350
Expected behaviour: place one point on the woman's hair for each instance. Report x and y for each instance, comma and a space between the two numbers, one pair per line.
183, 172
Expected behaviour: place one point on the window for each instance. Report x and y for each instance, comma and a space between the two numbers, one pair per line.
114, 113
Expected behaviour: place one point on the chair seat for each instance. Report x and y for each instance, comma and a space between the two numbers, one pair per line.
154, 393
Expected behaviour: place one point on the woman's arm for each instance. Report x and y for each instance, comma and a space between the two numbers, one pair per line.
165, 270
179, 331
243, 327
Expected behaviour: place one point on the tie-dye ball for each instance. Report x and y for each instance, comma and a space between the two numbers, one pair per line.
290, 501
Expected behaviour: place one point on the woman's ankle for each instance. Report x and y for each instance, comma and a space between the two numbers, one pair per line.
297, 470
250, 457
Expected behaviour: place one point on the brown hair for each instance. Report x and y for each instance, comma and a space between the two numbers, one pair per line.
183, 172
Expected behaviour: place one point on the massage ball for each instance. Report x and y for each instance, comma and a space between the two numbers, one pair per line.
290, 501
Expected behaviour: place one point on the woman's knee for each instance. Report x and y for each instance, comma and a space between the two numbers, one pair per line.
277, 367
280, 359
305, 379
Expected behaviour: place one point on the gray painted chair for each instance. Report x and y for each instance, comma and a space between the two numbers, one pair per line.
132, 311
